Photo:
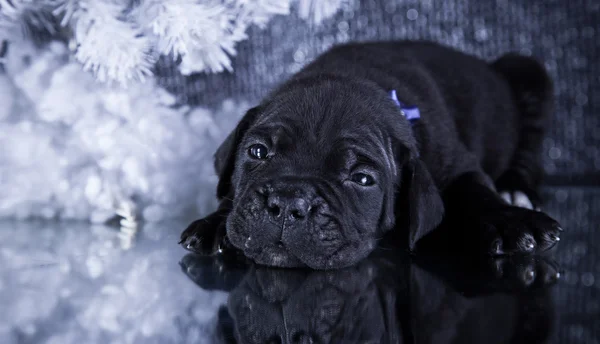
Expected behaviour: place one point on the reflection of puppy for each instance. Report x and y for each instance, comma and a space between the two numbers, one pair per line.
372, 136
382, 301
286, 306
508, 303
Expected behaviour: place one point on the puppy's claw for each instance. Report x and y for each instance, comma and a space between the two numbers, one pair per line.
527, 243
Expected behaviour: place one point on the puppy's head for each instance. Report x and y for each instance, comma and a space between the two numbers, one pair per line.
316, 173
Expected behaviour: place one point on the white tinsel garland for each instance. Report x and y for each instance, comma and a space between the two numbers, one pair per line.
72, 148
120, 40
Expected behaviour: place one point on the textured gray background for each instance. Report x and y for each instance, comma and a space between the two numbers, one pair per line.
564, 34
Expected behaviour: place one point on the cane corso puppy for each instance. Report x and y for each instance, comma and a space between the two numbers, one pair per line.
377, 136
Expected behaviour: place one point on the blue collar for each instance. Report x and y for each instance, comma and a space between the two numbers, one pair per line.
411, 113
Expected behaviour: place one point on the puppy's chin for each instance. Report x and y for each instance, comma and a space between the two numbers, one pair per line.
346, 256
261, 243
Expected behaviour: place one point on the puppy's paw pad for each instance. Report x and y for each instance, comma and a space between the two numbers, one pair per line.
518, 199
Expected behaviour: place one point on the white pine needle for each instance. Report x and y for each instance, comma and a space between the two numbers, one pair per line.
17, 15
111, 48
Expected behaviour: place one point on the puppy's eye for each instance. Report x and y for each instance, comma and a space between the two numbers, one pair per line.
258, 151
362, 179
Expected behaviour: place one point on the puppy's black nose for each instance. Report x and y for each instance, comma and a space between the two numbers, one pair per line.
295, 208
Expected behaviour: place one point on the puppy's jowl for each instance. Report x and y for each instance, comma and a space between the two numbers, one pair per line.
375, 137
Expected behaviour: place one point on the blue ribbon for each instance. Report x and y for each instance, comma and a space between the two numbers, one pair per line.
411, 113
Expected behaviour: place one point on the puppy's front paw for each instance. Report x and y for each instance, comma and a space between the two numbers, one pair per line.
204, 236
511, 230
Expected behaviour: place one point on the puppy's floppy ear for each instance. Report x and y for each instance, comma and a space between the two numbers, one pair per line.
425, 205
225, 155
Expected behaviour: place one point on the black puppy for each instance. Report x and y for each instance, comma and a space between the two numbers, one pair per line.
376, 136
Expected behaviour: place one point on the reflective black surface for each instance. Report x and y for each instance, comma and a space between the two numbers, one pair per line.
77, 283
388, 298
442, 295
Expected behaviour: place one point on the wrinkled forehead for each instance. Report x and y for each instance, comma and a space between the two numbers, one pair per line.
326, 100
348, 134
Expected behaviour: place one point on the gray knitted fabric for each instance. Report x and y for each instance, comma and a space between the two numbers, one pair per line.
563, 34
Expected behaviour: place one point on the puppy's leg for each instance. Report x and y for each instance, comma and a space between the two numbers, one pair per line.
532, 91
476, 213
207, 236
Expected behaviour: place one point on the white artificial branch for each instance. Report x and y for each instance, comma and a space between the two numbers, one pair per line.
119, 43
109, 46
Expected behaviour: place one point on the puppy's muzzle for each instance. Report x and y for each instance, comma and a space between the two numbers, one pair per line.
287, 222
